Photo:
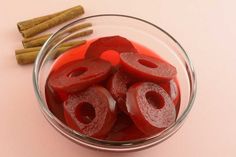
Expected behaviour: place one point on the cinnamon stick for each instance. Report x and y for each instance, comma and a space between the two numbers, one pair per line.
78, 27
21, 51
75, 28
81, 34
23, 25
25, 40
63, 17
27, 56
40, 40
26, 50
37, 42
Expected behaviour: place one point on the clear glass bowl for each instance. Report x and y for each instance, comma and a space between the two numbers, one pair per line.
139, 31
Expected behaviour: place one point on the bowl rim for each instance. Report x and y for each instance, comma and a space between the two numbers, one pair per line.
104, 144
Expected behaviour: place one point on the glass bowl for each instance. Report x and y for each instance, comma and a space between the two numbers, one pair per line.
139, 31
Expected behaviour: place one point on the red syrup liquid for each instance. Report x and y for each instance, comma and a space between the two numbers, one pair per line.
123, 127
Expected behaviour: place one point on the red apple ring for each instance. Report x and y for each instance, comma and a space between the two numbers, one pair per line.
127, 134
80, 74
54, 103
123, 121
118, 86
172, 88
150, 107
91, 112
124, 129
146, 67
116, 43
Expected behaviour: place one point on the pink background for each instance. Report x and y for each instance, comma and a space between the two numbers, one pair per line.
205, 28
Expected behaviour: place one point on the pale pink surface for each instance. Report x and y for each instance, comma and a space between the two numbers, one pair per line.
205, 28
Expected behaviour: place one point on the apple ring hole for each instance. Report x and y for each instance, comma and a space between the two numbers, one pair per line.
85, 113
78, 72
147, 63
155, 99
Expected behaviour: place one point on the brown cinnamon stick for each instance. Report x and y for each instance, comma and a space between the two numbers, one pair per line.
73, 29
23, 25
63, 17
25, 40
21, 51
81, 34
26, 50
40, 40
28, 58
78, 27
37, 42
28, 55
